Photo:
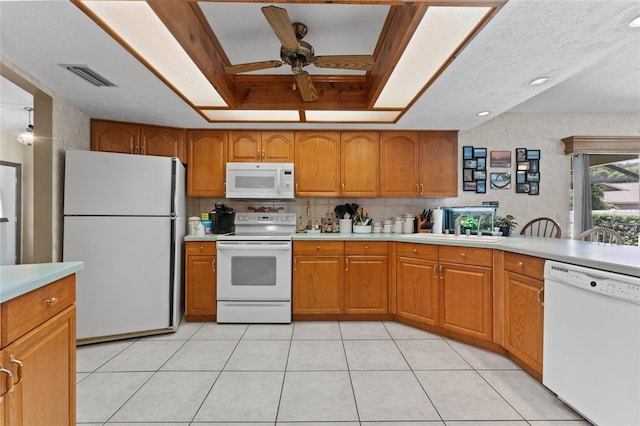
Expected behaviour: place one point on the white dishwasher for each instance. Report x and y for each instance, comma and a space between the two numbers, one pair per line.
591, 355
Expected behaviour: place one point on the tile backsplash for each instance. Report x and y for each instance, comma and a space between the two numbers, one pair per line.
378, 208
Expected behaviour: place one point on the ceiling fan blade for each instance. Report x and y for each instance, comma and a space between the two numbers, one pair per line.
251, 66
308, 91
347, 62
279, 20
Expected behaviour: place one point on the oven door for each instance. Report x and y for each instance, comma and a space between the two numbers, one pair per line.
254, 270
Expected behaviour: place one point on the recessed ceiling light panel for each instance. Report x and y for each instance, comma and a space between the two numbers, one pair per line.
137, 24
351, 116
483, 113
439, 34
251, 115
635, 23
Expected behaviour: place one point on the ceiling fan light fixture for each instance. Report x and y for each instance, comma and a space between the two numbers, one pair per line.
538, 81
440, 34
143, 33
27, 137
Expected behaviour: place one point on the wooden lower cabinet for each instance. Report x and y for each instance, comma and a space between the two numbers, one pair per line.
200, 281
417, 282
39, 348
448, 287
466, 300
366, 277
523, 309
318, 284
331, 277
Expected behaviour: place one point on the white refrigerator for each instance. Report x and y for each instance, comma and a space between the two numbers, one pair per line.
124, 217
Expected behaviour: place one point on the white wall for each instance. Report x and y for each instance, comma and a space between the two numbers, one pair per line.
505, 132
70, 129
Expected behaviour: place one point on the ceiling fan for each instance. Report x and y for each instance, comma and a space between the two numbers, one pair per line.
299, 54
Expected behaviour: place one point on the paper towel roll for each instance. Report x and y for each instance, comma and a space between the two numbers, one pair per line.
437, 221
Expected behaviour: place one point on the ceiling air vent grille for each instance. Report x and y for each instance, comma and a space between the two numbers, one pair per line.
88, 74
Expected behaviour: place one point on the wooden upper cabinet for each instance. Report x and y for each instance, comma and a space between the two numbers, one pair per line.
439, 164
278, 147
317, 164
360, 163
258, 146
206, 154
162, 141
113, 136
244, 146
399, 164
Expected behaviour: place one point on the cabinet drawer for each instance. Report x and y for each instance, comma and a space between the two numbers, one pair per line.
318, 247
420, 251
466, 255
201, 247
366, 247
26, 312
530, 266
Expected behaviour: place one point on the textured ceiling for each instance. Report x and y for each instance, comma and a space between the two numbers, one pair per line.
586, 47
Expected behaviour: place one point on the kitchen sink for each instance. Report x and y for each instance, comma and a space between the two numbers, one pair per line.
456, 238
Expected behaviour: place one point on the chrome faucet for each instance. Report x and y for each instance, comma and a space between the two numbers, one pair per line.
456, 225
480, 223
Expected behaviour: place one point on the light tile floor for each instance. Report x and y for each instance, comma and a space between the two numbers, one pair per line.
307, 373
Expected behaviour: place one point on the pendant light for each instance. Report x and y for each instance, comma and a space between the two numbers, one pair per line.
26, 137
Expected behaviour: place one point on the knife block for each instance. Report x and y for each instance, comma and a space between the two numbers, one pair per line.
422, 222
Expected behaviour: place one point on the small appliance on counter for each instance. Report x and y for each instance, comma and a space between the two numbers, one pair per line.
222, 217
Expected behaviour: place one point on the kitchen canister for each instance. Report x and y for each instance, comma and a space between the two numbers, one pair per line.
345, 226
387, 225
194, 221
397, 225
407, 225
377, 227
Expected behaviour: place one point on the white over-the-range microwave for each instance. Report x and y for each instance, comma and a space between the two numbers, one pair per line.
272, 181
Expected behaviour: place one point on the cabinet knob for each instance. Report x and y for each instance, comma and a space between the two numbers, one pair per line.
51, 301
415, 250
521, 264
463, 254
201, 248
366, 247
317, 247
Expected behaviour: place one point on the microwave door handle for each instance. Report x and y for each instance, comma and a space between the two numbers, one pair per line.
278, 183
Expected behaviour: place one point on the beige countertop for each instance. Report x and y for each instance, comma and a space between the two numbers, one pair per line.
16, 280
613, 258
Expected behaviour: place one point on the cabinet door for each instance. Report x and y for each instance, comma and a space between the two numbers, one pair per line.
417, 289
112, 136
207, 161
366, 285
360, 163
46, 395
524, 316
277, 147
244, 146
399, 164
162, 141
200, 288
317, 164
318, 285
466, 300
439, 164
